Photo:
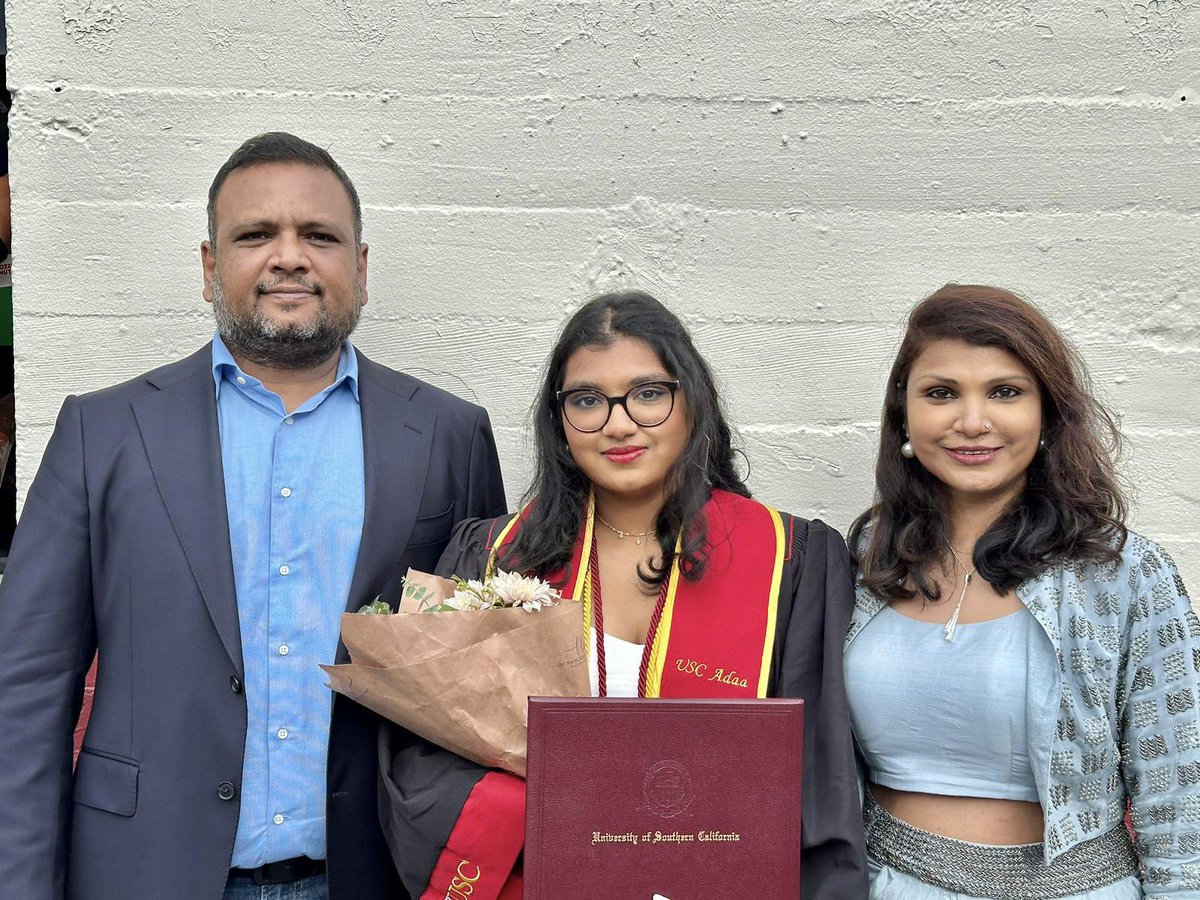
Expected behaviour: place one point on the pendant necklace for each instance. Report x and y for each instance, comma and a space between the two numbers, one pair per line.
948, 631
621, 535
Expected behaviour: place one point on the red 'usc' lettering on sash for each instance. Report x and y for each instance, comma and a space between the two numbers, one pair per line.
717, 635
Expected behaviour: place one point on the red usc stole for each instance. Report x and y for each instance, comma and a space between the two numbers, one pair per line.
715, 636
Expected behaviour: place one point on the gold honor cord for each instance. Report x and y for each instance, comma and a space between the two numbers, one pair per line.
583, 581
773, 603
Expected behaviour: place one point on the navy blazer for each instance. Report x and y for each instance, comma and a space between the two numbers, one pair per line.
123, 546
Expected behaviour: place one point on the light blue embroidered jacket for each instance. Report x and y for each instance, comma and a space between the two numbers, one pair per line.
1127, 724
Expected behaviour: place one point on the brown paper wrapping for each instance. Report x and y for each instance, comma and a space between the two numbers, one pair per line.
463, 679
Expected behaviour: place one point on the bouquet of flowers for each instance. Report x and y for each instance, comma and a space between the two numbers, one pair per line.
459, 660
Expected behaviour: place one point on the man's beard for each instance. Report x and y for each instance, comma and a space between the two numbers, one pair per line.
258, 339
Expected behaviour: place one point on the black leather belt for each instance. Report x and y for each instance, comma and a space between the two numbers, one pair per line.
283, 872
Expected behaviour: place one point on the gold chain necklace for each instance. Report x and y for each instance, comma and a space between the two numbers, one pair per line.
621, 535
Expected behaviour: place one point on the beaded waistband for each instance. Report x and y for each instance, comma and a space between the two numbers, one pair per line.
998, 872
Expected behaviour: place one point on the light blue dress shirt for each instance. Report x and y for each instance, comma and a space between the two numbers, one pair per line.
294, 491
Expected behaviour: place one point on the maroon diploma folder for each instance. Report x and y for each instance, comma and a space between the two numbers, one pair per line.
672, 799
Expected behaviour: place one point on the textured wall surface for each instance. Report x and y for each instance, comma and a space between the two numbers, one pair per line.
790, 177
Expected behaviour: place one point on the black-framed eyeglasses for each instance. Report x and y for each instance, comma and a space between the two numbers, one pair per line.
647, 404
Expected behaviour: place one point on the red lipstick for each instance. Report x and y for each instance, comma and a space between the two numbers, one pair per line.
624, 455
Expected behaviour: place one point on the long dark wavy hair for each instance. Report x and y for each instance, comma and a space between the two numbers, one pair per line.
1071, 506
559, 490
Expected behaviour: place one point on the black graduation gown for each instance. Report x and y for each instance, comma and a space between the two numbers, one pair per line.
446, 817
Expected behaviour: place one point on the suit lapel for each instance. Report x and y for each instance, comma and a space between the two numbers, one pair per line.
397, 437
178, 425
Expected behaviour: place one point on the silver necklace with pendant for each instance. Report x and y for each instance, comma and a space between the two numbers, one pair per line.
952, 625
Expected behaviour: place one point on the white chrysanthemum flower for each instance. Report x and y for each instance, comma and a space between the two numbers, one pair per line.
531, 594
468, 598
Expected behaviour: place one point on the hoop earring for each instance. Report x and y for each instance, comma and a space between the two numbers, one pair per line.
907, 451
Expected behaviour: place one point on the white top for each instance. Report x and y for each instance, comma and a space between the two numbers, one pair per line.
622, 662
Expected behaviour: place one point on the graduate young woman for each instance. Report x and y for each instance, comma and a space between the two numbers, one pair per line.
1021, 668
637, 504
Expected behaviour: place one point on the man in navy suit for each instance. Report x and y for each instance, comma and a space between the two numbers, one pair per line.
203, 527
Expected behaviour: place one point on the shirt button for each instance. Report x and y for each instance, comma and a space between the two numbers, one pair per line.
284, 650
284, 570
241, 380
282, 734
289, 421
226, 790
286, 492
235, 684
278, 820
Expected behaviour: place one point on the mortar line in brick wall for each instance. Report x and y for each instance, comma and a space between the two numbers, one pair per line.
1143, 100
834, 208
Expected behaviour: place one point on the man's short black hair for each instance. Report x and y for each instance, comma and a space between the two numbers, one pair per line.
281, 147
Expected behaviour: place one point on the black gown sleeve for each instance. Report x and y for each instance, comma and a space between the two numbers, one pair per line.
446, 818
466, 554
809, 654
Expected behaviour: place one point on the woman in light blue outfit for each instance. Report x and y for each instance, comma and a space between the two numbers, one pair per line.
1022, 669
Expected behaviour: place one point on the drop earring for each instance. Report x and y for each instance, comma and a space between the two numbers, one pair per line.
907, 451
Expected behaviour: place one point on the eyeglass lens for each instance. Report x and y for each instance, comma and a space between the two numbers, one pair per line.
646, 404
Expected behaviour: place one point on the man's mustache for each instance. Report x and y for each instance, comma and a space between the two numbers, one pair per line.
304, 284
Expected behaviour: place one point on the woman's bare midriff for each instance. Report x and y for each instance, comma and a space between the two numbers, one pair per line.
979, 820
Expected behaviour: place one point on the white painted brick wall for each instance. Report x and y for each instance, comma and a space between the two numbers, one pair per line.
790, 177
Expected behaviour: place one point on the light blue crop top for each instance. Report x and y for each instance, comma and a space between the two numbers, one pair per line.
944, 717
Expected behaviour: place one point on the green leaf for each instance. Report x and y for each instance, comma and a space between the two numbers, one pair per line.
416, 591
375, 608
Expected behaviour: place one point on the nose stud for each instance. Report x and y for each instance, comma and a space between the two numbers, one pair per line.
987, 424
